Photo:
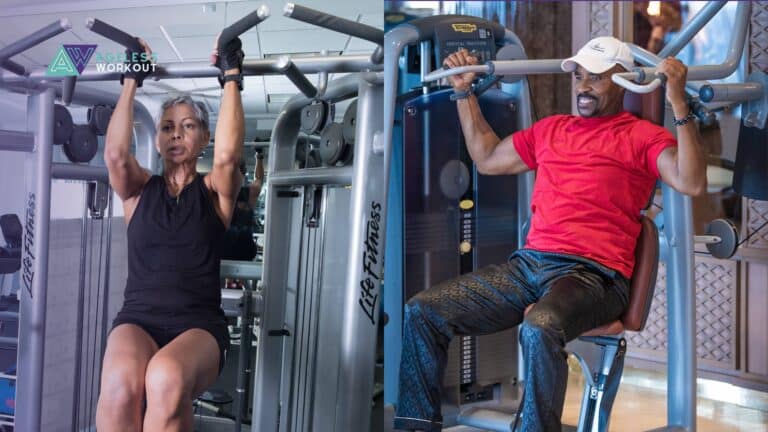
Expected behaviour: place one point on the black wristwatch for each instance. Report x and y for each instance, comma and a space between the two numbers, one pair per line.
232, 77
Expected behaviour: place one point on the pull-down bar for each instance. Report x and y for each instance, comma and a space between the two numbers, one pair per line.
331, 22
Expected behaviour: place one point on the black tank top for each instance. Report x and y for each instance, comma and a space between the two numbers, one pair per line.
174, 254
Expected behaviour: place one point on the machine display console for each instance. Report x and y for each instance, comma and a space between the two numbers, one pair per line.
476, 39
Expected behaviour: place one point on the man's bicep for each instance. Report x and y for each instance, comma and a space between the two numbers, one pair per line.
505, 159
666, 163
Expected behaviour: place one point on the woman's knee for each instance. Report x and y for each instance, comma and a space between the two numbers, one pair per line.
122, 388
165, 382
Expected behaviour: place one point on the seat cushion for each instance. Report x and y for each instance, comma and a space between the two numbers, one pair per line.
612, 328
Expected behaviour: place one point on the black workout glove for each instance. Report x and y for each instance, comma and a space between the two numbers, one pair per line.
231, 56
138, 65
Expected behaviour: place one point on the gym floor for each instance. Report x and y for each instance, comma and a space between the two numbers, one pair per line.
641, 404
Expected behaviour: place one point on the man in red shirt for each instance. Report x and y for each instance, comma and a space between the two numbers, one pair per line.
594, 173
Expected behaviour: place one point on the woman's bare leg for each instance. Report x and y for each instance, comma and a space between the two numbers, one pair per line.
129, 349
179, 372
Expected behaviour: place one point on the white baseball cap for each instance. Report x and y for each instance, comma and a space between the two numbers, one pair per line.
599, 55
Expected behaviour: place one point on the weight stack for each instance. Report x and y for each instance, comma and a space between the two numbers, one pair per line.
455, 222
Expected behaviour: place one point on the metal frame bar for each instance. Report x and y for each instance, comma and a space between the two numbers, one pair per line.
68, 171
317, 176
681, 303
306, 65
35, 38
32, 312
17, 141
366, 265
731, 92
691, 28
395, 42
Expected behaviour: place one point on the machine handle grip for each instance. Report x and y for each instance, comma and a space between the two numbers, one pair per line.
114, 34
243, 24
285, 65
331, 22
622, 80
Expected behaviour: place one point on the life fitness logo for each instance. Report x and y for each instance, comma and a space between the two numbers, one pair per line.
369, 284
464, 27
71, 60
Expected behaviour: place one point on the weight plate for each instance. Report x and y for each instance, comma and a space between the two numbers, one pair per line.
98, 118
62, 124
313, 117
82, 145
332, 143
729, 238
350, 122
454, 179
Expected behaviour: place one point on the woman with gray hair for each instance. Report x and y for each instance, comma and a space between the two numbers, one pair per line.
168, 341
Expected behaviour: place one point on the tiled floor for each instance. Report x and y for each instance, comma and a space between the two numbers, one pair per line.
639, 408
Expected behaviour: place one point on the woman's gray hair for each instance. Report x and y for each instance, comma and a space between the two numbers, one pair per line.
198, 107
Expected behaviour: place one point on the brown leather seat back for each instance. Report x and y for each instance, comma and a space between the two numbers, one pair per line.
649, 106
643, 281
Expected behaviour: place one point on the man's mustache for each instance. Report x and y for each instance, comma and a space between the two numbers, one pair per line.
587, 96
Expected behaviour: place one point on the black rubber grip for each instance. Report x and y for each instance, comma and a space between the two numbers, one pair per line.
341, 25
115, 34
14, 67
240, 26
300, 80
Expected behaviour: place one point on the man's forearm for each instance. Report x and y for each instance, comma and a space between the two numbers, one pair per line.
480, 138
691, 164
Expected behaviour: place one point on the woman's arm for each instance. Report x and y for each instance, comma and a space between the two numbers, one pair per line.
126, 176
225, 178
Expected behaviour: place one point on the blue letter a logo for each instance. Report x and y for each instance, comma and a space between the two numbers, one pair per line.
61, 65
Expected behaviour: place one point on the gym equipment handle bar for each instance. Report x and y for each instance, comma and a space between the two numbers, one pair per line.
236, 29
244, 24
285, 65
331, 22
28, 42
514, 67
114, 34
509, 67
35, 38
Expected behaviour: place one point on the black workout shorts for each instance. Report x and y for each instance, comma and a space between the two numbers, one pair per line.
164, 334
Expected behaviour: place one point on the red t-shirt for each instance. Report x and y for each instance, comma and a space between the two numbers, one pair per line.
593, 176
